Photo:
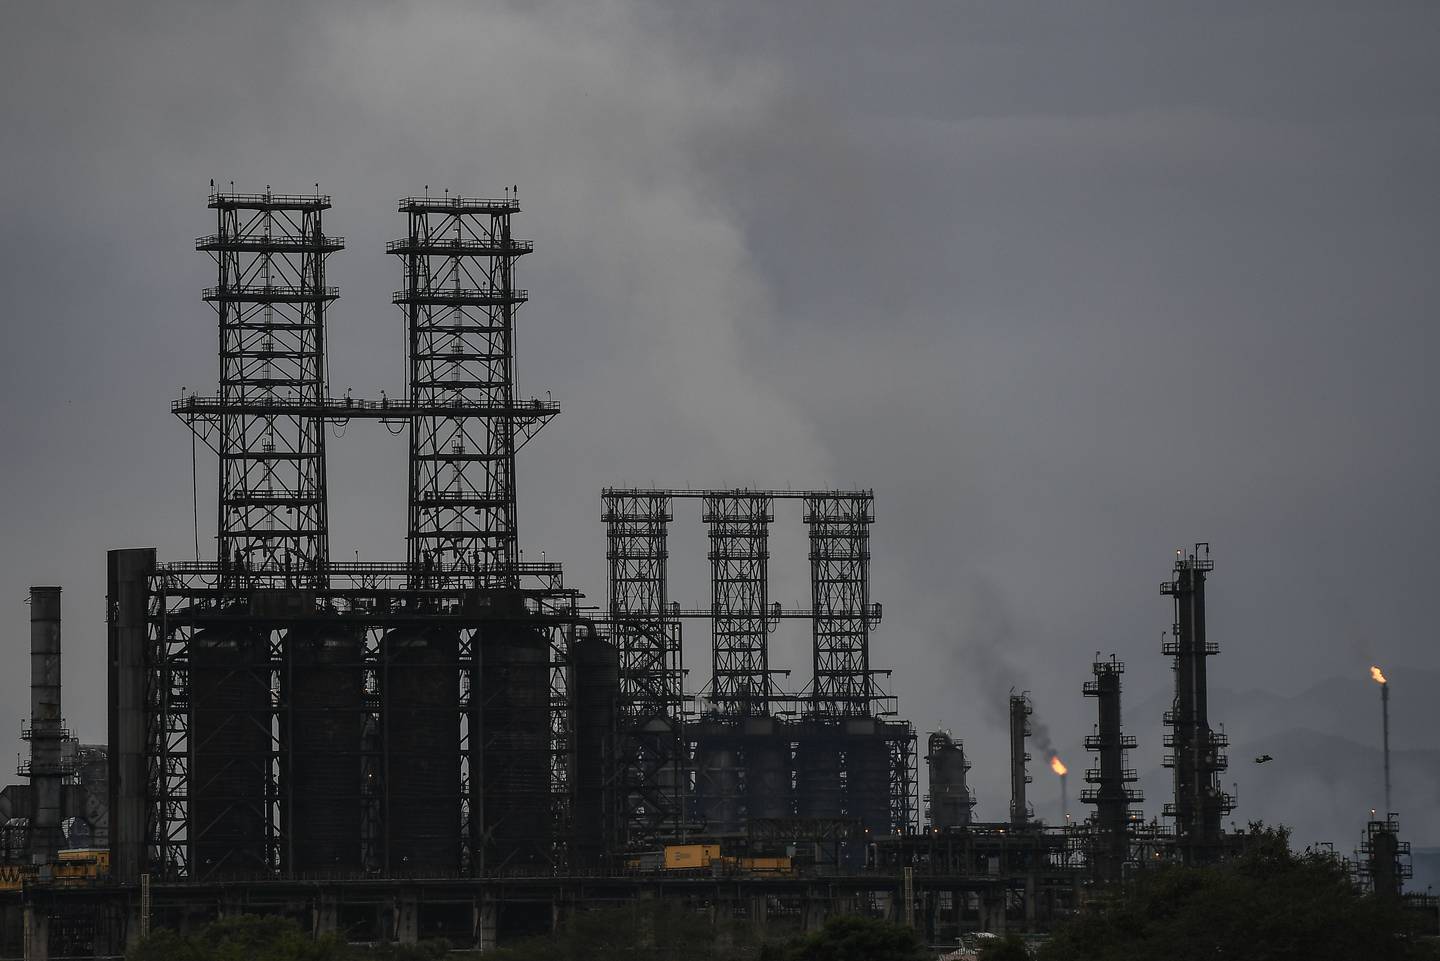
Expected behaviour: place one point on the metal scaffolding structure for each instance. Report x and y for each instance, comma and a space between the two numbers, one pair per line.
752, 751
1200, 803
271, 299
739, 600
840, 595
1111, 794
460, 301
651, 749
1382, 862
304, 717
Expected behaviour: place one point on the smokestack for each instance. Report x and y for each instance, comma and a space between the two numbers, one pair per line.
1019, 730
1064, 801
1378, 676
1385, 736
46, 731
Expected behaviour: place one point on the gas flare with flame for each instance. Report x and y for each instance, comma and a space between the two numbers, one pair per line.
1057, 765
1377, 675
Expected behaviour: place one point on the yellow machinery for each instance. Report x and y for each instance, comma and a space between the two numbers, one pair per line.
75, 867
700, 857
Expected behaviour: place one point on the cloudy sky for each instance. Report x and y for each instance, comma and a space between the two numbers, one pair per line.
1069, 285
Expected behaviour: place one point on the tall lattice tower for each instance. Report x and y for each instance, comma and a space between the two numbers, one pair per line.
266, 424
460, 302
839, 525
739, 523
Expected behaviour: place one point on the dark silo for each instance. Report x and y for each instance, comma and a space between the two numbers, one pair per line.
718, 785
867, 765
767, 776
323, 685
420, 724
230, 754
513, 714
594, 693
818, 786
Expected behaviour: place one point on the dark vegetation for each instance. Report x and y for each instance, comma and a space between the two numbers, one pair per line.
1268, 904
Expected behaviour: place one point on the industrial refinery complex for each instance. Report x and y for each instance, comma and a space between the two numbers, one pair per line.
451, 744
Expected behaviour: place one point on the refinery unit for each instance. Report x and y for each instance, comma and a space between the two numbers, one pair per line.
452, 745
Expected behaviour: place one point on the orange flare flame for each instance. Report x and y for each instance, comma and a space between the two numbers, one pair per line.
1057, 765
1376, 674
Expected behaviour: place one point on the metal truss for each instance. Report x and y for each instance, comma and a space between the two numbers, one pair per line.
904, 780
271, 298
368, 600
739, 601
840, 594
460, 300
651, 751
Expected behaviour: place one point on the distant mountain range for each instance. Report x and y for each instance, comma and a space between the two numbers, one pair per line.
1326, 772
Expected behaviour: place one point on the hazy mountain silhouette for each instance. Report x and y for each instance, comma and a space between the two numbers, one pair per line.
1327, 769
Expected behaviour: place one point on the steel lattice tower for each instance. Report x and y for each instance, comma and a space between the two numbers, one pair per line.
840, 597
1197, 761
271, 297
739, 600
460, 302
651, 751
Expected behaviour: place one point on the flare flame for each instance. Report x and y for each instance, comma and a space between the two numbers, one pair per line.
1057, 765
1377, 675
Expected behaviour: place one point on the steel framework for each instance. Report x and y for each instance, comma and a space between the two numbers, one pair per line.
739, 601
271, 298
651, 753
459, 301
1382, 862
840, 596
744, 714
370, 599
1197, 761
272, 582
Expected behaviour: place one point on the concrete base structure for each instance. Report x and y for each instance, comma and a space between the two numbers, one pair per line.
101, 920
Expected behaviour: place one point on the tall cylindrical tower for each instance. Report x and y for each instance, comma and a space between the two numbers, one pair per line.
46, 731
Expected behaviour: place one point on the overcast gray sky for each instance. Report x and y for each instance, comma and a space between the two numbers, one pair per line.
1068, 284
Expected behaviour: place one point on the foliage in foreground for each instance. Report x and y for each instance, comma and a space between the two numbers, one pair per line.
1269, 904
1009, 948
858, 939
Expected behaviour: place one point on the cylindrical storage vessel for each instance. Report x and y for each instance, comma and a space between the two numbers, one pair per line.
231, 748
420, 725
868, 781
594, 693
818, 790
767, 776
510, 721
320, 773
718, 786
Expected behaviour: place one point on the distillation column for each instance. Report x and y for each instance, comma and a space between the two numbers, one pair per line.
1020, 711
1199, 803
1112, 794
951, 803
46, 730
